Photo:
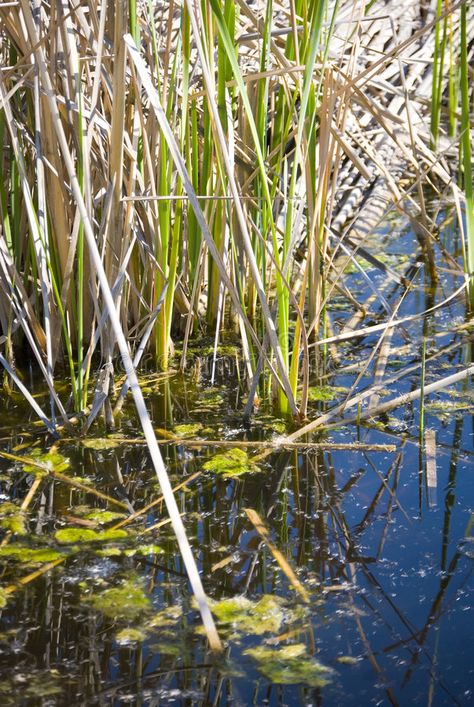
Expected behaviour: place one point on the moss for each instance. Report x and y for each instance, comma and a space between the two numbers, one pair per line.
70, 536
128, 601
233, 462
290, 665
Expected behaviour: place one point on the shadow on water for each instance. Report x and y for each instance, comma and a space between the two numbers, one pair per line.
381, 542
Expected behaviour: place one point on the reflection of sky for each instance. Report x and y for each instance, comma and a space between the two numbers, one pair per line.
403, 567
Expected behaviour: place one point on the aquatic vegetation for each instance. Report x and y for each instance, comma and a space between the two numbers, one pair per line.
232, 462
52, 459
12, 518
178, 175
166, 617
127, 601
3, 598
102, 517
290, 664
100, 443
188, 430
250, 617
30, 555
128, 636
244, 616
347, 659
77, 536
317, 393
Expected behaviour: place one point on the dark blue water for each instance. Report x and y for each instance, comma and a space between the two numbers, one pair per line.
384, 547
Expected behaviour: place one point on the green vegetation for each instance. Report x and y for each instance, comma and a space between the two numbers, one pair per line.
233, 462
176, 176
210, 195
125, 602
290, 664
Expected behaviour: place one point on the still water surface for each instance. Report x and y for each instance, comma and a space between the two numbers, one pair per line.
384, 549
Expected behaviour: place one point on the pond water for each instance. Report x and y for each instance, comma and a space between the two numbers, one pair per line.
379, 539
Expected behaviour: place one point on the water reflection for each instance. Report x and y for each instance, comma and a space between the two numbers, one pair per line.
390, 584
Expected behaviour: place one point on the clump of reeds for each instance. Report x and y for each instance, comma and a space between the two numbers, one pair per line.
206, 152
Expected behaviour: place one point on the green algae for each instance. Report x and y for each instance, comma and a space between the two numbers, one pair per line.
12, 518
166, 617
103, 517
250, 617
129, 635
52, 460
30, 555
210, 399
30, 687
147, 549
321, 393
99, 443
347, 659
233, 462
125, 602
3, 598
189, 430
71, 536
444, 410
290, 665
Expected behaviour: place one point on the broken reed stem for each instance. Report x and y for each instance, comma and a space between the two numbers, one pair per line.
261, 529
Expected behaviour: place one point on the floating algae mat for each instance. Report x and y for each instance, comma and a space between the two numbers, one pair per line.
96, 608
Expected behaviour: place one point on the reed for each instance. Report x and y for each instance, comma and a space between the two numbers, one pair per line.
466, 117
239, 224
